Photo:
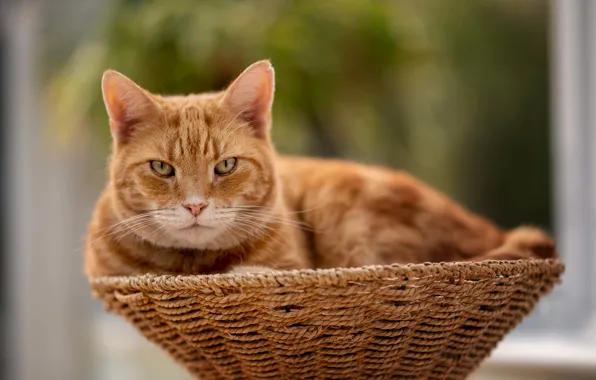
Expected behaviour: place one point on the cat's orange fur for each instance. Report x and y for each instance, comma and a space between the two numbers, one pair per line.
270, 211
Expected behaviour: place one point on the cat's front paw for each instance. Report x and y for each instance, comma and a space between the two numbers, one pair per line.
505, 253
244, 269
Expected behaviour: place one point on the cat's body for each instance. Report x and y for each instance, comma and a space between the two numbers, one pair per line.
196, 187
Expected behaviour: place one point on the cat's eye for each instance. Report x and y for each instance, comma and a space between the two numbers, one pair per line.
161, 168
225, 167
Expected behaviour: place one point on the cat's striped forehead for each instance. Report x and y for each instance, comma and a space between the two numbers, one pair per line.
181, 111
197, 127
195, 134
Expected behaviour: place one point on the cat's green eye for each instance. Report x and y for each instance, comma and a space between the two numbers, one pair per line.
161, 168
225, 167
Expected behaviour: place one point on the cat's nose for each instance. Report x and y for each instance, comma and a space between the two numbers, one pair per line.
195, 208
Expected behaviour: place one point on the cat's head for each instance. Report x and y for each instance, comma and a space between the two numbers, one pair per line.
193, 171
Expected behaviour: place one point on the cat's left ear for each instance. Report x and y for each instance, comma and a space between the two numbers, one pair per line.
250, 97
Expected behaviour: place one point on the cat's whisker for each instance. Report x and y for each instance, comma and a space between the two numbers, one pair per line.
256, 222
124, 227
257, 226
260, 228
130, 227
111, 234
159, 228
251, 234
261, 237
241, 207
255, 211
248, 209
124, 221
300, 225
279, 213
277, 218
223, 219
134, 231
266, 219
270, 219
127, 226
131, 230
230, 231
145, 214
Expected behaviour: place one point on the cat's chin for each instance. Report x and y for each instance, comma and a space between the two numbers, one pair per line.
196, 237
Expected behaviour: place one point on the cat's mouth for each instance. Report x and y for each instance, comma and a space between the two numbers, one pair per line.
195, 226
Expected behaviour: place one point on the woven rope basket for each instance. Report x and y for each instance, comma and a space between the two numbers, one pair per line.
421, 321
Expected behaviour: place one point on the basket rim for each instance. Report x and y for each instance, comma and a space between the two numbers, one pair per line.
461, 271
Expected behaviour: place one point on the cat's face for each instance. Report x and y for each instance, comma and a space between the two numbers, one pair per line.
195, 171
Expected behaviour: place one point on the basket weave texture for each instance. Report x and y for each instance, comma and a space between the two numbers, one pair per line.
420, 321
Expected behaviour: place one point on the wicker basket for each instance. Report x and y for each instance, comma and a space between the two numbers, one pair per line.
422, 321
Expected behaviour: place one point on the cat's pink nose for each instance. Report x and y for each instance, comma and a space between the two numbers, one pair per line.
196, 208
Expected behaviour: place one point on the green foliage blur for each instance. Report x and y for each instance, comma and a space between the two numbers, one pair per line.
455, 92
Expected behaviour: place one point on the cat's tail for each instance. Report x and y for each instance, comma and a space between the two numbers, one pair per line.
523, 243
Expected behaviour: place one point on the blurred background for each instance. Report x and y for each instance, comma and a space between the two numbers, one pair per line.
489, 101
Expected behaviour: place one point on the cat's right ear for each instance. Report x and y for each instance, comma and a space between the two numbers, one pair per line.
127, 104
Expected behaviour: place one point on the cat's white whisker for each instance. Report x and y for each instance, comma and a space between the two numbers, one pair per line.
132, 230
230, 231
250, 233
124, 221
269, 209
157, 230
270, 219
132, 221
132, 224
121, 229
259, 228
256, 223
259, 209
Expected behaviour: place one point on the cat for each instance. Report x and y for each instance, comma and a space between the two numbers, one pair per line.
196, 187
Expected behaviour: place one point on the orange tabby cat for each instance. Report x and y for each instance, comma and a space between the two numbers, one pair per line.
195, 186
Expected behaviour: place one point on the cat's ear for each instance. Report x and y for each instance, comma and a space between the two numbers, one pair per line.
127, 104
250, 97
